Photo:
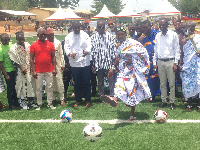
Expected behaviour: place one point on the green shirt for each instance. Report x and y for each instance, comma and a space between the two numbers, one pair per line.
4, 57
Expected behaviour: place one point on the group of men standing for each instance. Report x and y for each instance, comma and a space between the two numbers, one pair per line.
146, 61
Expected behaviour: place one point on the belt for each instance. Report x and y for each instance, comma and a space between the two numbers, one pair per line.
166, 59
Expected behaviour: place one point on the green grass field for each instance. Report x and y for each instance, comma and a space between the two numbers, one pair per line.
127, 136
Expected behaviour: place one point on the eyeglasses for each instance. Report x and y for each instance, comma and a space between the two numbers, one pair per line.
101, 27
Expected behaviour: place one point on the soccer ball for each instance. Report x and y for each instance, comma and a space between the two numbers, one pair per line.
160, 116
92, 132
66, 116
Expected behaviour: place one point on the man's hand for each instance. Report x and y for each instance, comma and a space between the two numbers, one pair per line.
93, 69
84, 53
35, 75
154, 68
54, 72
7, 77
174, 67
24, 71
73, 55
110, 74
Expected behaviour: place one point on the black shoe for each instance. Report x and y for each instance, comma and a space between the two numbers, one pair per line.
12, 107
172, 106
162, 105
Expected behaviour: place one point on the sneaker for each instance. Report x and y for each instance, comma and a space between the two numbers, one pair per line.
51, 106
34, 105
25, 107
38, 108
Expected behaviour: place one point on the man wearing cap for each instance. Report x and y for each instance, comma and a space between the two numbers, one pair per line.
58, 85
43, 64
20, 55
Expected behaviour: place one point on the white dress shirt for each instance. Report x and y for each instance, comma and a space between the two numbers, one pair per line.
76, 43
166, 46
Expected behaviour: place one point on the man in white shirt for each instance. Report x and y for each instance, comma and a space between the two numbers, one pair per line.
166, 57
78, 47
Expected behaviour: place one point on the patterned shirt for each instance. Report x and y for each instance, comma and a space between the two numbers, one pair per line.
103, 50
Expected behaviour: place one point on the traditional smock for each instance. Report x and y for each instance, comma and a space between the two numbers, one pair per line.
191, 69
25, 85
131, 86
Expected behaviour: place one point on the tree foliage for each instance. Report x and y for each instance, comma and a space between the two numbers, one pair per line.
115, 6
56, 3
14, 4
190, 6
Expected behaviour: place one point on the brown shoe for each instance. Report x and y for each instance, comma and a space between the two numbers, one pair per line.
188, 108
62, 103
77, 104
88, 104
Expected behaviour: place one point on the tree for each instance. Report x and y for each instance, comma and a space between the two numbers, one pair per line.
56, 3
14, 4
33, 3
190, 6
115, 6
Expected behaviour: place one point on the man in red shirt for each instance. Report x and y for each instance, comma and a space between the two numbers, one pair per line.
43, 64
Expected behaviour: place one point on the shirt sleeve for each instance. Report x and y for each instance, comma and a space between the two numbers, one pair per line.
155, 57
88, 44
32, 50
176, 49
67, 48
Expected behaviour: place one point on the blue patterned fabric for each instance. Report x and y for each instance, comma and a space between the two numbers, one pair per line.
191, 69
152, 78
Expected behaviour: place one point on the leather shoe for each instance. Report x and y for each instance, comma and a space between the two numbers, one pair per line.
162, 105
12, 107
172, 106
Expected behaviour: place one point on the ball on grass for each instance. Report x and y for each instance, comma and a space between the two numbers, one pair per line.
92, 132
160, 116
66, 116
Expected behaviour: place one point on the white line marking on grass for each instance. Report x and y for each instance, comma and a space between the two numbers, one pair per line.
115, 121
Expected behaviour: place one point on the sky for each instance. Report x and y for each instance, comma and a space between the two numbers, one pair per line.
138, 5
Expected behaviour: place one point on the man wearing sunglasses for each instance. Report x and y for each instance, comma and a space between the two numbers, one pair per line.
43, 64
103, 55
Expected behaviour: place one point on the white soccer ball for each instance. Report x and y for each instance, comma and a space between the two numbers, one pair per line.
92, 132
160, 116
66, 116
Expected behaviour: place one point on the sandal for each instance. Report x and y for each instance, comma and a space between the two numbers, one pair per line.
77, 104
188, 108
109, 100
132, 118
198, 108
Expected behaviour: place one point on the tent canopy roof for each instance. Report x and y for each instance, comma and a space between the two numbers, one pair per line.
17, 13
127, 12
104, 13
164, 8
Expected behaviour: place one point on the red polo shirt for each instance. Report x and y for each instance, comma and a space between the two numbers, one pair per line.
42, 52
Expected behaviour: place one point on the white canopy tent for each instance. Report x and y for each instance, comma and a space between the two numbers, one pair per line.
104, 13
164, 8
127, 12
17, 13
60, 14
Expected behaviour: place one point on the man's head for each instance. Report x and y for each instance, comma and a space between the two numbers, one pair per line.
163, 24
111, 24
41, 34
138, 28
190, 26
20, 37
50, 35
131, 29
101, 27
5, 39
146, 27
177, 26
121, 34
76, 26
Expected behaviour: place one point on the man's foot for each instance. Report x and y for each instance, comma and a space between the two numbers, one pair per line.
62, 103
109, 100
51, 106
77, 104
172, 106
12, 107
25, 107
198, 108
162, 105
88, 104
34, 105
188, 107
73, 95
132, 118
38, 108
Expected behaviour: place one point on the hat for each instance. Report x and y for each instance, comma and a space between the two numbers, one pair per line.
49, 31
